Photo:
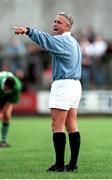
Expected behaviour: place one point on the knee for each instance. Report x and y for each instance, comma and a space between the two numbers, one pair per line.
57, 127
6, 117
71, 128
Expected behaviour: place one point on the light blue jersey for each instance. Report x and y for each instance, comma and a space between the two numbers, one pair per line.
65, 51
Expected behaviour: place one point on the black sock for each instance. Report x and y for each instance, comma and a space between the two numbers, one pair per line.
74, 140
59, 140
4, 131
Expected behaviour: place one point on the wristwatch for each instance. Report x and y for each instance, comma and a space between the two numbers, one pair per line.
28, 30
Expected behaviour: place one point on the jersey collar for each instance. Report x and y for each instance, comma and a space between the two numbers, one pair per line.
67, 33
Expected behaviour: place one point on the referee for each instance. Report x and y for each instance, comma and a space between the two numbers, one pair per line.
66, 88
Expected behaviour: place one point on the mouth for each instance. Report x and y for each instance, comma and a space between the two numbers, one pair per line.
55, 29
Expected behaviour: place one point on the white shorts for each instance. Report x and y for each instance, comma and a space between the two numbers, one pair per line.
65, 94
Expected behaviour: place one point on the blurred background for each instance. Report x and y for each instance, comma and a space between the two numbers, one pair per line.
92, 28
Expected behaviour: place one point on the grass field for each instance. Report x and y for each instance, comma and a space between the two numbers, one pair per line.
32, 150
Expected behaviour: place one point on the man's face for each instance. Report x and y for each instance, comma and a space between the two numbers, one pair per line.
60, 25
7, 89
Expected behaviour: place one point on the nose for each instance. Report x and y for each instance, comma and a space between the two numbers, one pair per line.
54, 24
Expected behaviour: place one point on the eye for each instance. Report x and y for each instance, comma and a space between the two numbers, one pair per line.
59, 22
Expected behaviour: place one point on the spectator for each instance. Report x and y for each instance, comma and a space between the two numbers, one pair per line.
87, 51
90, 33
99, 49
16, 50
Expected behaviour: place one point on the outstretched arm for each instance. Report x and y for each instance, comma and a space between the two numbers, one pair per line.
53, 44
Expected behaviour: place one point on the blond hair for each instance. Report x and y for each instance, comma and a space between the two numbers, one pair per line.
68, 18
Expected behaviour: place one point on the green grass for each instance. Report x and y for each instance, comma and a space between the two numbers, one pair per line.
32, 150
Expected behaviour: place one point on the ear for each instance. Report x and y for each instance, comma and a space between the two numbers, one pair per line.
68, 27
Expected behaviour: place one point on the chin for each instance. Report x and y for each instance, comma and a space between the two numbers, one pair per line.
55, 33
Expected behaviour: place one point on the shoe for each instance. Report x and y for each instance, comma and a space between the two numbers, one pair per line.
71, 168
4, 145
55, 168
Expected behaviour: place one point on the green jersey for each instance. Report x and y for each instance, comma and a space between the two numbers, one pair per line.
14, 95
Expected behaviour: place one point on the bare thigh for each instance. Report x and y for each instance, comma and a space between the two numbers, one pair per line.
71, 121
58, 119
7, 112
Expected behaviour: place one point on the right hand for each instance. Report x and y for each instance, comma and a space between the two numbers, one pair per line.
19, 30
